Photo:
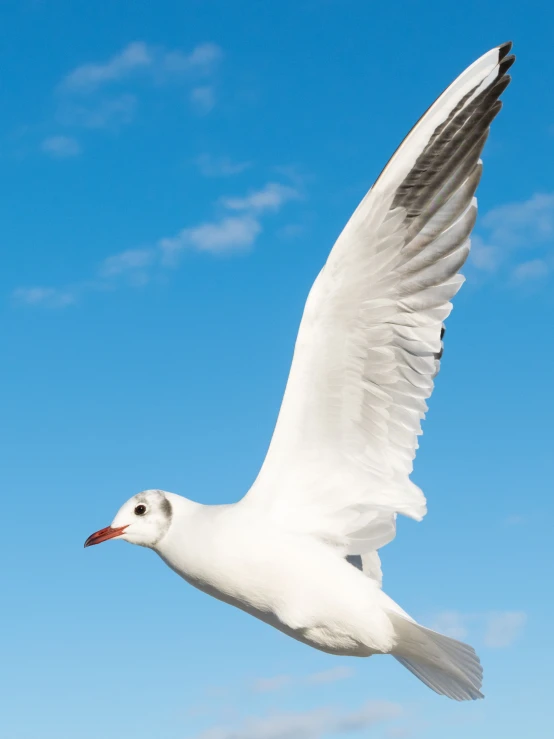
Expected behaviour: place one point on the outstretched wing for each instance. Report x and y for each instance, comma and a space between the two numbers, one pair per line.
370, 340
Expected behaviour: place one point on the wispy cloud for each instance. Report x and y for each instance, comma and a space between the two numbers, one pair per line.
88, 77
61, 147
521, 223
531, 270
105, 94
496, 629
44, 296
109, 112
227, 234
308, 724
484, 256
503, 629
342, 672
230, 232
127, 261
513, 230
272, 197
279, 682
203, 99
272, 684
210, 166
451, 623
139, 58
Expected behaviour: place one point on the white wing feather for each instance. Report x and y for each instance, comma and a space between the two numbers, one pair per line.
370, 339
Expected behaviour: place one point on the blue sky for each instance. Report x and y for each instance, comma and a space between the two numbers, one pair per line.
173, 177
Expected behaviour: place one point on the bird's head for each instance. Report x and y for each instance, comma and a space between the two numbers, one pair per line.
144, 520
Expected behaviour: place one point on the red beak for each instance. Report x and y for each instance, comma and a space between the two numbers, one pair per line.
103, 535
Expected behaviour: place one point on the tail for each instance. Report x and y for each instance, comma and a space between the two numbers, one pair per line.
445, 665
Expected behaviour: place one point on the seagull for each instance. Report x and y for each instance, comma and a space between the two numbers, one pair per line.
300, 550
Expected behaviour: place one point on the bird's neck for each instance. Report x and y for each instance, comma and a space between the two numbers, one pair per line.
187, 545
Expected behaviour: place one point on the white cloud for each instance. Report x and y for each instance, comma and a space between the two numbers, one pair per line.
127, 261
209, 166
511, 229
202, 60
88, 77
81, 94
292, 230
451, 623
228, 233
140, 58
273, 684
532, 270
503, 629
46, 296
232, 232
484, 256
203, 99
108, 112
342, 672
61, 147
272, 197
522, 223
309, 724
225, 235
495, 629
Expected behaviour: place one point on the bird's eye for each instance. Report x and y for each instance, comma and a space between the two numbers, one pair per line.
140, 510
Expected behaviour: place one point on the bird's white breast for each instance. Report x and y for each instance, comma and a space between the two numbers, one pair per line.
295, 583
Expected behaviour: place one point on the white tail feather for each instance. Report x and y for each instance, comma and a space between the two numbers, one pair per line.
445, 665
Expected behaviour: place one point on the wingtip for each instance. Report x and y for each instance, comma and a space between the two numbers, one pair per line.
504, 49
505, 64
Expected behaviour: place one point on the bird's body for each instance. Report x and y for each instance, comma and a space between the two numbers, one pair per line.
292, 581
337, 472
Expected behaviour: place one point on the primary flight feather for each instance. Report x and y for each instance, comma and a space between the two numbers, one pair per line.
299, 551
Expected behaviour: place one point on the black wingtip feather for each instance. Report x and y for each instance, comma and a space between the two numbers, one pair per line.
505, 64
504, 49
499, 87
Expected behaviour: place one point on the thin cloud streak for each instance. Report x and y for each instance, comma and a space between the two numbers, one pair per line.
90, 76
312, 724
112, 112
210, 166
272, 197
280, 682
520, 224
495, 629
531, 271
503, 629
127, 261
139, 57
61, 147
511, 230
227, 234
484, 256
86, 97
44, 296
203, 99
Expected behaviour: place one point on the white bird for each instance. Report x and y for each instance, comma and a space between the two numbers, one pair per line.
299, 551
